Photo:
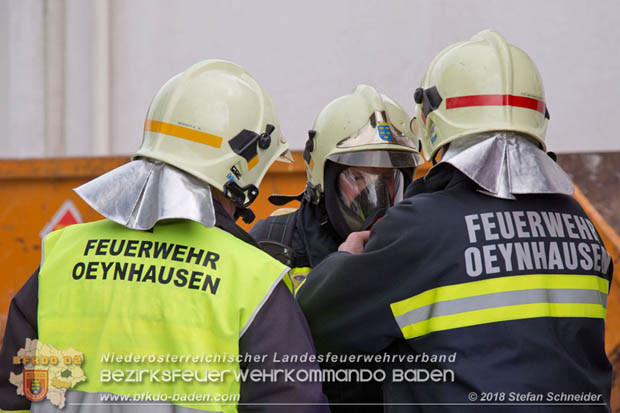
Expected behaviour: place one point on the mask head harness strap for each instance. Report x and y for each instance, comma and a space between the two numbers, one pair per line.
309, 145
311, 193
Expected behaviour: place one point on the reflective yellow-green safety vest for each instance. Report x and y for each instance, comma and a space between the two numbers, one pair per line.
296, 277
157, 315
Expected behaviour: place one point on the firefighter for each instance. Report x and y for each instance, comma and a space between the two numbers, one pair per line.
488, 283
168, 276
359, 157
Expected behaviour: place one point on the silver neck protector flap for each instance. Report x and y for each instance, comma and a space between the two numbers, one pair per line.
505, 164
139, 194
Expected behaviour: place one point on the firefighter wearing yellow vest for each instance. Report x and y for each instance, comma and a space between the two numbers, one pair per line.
488, 283
359, 157
167, 299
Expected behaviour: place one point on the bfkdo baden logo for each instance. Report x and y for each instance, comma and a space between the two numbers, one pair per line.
48, 372
35, 384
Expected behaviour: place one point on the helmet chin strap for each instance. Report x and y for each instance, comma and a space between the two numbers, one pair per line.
245, 213
235, 209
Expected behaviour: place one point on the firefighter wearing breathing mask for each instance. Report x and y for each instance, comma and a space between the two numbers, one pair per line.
488, 283
169, 273
359, 156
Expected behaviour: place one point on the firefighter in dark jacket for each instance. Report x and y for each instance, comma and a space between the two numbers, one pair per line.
488, 283
168, 279
360, 156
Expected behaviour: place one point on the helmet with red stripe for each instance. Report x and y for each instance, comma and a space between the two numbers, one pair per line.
481, 85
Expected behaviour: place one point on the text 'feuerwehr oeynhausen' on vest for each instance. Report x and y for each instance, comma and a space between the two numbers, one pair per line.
508, 241
173, 271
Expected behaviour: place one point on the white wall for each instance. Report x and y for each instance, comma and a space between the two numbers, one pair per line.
24, 93
117, 54
4, 73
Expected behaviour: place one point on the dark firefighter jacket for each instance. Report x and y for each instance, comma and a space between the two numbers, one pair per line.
503, 301
311, 239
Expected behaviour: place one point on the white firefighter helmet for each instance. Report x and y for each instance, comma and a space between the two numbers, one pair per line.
215, 122
364, 129
481, 85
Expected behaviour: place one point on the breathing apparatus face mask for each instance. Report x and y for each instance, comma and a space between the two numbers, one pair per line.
365, 194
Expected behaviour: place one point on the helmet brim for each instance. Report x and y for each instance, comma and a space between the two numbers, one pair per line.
378, 158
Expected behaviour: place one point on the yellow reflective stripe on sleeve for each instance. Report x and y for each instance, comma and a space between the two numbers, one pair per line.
183, 133
514, 283
501, 299
14, 411
493, 315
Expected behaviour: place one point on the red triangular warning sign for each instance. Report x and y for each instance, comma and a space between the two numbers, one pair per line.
66, 215
67, 219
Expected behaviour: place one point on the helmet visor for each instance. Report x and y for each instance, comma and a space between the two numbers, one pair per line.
365, 194
379, 158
